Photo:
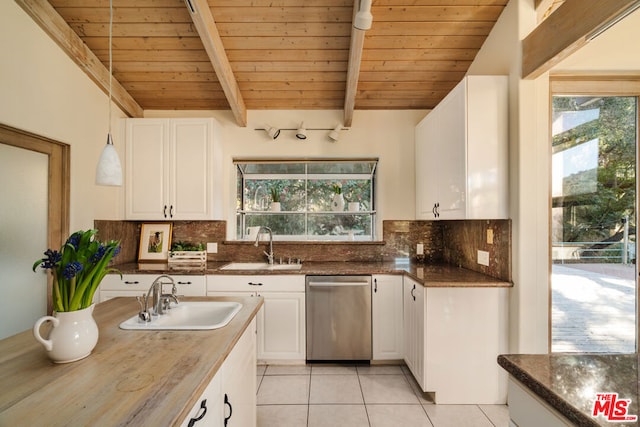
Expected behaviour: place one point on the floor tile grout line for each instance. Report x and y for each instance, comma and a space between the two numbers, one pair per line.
364, 402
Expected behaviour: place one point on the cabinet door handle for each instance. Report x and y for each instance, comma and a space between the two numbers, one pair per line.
203, 406
226, 402
375, 285
129, 282
255, 284
412, 294
171, 211
184, 283
164, 211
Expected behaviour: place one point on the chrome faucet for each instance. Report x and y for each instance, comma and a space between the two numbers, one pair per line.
161, 301
270, 253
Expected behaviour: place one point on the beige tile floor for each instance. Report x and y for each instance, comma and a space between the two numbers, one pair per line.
354, 396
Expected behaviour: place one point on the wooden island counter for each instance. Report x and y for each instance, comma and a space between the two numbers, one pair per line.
132, 377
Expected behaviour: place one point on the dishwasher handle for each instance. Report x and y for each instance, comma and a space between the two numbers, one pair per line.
336, 284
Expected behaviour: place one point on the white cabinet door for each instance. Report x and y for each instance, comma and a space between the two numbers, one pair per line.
414, 340
281, 320
191, 159
230, 397
239, 382
146, 169
281, 326
170, 171
387, 317
461, 153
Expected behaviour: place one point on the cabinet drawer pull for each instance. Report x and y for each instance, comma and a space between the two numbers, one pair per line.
375, 285
203, 406
226, 402
171, 211
164, 211
130, 282
185, 283
255, 284
412, 294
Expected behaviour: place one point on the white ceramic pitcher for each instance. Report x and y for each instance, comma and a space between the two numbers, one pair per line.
73, 336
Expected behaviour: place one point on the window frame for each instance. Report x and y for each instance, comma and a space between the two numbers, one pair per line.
242, 214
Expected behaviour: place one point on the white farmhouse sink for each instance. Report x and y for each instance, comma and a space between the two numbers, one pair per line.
189, 315
260, 266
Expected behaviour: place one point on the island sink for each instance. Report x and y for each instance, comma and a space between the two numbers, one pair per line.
189, 315
259, 266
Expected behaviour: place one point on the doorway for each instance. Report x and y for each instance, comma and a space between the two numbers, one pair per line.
34, 217
593, 223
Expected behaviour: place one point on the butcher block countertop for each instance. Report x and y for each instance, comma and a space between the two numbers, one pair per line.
150, 378
429, 275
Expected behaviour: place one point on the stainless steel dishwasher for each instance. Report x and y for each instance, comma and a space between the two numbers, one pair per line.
338, 318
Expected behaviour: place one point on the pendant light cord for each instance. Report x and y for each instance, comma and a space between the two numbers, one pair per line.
110, 62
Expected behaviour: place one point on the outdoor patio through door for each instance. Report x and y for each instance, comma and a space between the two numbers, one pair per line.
593, 224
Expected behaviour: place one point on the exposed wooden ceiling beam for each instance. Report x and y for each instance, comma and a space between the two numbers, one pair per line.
206, 27
567, 30
353, 69
55, 26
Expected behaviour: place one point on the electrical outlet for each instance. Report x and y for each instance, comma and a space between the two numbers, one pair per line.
420, 249
489, 236
483, 258
212, 248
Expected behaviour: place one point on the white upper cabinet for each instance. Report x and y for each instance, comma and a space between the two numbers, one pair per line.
461, 153
170, 170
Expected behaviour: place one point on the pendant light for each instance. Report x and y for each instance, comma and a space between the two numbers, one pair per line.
109, 170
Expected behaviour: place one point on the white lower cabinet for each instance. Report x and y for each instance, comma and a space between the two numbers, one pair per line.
230, 398
387, 317
281, 320
130, 285
453, 336
414, 329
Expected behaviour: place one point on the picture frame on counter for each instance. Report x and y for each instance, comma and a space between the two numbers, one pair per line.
155, 241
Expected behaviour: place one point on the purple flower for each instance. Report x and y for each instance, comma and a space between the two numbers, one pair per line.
74, 240
71, 269
52, 259
97, 256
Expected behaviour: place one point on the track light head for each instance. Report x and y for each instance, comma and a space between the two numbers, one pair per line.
272, 132
302, 132
363, 18
334, 135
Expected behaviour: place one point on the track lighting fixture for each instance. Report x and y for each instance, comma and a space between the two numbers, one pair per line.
302, 132
334, 135
273, 132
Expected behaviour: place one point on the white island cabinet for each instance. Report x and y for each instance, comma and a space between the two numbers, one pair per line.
387, 317
281, 320
461, 153
230, 398
171, 171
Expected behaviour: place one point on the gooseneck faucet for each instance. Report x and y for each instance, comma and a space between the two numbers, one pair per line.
270, 254
161, 301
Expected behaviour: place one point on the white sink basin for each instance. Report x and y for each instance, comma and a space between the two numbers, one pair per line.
260, 266
189, 315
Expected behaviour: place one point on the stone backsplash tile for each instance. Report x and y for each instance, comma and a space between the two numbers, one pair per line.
452, 242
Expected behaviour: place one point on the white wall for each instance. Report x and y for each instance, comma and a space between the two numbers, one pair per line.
42, 91
388, 135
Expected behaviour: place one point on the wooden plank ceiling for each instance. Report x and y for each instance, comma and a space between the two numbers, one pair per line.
286, 54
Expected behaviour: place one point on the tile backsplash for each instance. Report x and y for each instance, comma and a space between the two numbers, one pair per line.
451, 242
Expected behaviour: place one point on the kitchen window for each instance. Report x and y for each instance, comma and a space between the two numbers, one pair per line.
303, 199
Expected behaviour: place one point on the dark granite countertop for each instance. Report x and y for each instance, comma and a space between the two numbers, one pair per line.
430, 275
568, 382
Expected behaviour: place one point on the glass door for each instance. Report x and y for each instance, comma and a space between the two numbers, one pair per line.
593, 224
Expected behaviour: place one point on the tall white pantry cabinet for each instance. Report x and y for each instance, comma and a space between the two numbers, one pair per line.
171, 171
461, 153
